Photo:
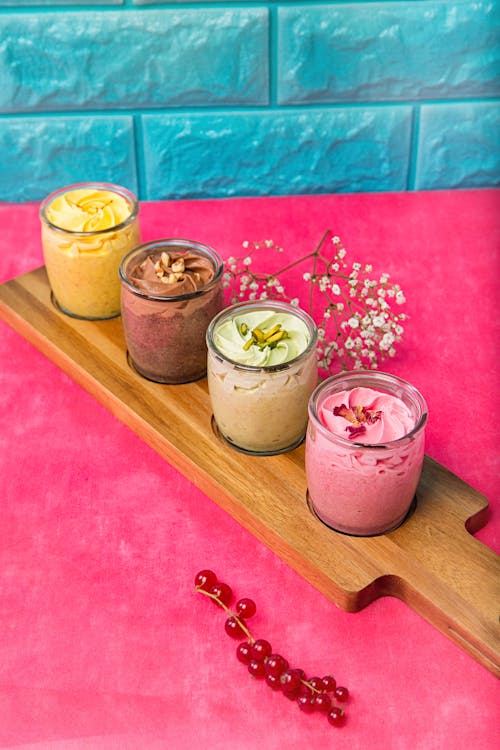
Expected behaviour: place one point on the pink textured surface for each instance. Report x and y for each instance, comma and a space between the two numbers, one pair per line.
103, 643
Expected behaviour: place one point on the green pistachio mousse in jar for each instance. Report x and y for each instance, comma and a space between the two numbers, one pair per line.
262, 369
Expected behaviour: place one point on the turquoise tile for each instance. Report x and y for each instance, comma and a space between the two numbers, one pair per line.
40, 155
131, 59
276, 153
459, 146
388, 51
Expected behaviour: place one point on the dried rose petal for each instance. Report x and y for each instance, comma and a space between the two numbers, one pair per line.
355, 431
373, 416
343, 411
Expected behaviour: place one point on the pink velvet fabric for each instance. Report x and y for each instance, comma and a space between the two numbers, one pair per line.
103, 643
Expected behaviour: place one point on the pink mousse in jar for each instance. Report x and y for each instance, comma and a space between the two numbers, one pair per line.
364, 451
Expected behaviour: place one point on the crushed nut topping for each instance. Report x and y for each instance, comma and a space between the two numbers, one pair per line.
168, 271
261, 339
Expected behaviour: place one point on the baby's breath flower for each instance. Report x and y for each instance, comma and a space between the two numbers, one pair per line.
356, 325
387, 341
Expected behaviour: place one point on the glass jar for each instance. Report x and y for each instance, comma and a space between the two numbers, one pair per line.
171, 289
259, 402
354, 486
86, 230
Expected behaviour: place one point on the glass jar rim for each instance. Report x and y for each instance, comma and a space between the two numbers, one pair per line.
109, 186
165, 243
269, 304
372, 376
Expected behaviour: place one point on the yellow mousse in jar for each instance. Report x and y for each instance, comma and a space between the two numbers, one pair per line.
86, 231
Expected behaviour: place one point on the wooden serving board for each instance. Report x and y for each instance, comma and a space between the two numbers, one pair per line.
431, 561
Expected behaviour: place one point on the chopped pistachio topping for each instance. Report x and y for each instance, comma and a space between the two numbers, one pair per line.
261, 339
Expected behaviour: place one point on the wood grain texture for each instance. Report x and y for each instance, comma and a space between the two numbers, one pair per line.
431, 562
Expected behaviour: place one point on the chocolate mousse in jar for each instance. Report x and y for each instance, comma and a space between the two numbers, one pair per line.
364, 451
171, 289
262, 369
86, 230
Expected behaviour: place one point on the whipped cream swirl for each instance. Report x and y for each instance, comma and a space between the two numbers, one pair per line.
367, 416
233, 338
86, 210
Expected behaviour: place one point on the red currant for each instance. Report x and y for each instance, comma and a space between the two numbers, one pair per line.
305, 689
260, 649
290, 681
341, 694
233, 628
246, 608
244, 652
306, 703
223, 592
329, 683
275, 664
322, 702
336, 716
205, 579
316, 683
273, 681
313, 694
256, 668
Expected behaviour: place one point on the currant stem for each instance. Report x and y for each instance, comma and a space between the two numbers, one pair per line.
228, 611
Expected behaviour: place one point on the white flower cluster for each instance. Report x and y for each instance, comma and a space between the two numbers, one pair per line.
357, 327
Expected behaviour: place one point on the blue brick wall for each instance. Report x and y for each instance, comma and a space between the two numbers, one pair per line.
248, 97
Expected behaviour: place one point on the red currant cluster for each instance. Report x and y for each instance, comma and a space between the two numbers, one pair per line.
319, 694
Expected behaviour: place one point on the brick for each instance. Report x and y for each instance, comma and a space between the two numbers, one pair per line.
128, 58
276, 153
388, 51
40, 155
459, 146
